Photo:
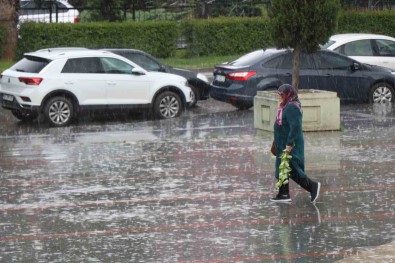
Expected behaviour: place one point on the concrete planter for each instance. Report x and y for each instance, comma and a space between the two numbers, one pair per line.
321, 110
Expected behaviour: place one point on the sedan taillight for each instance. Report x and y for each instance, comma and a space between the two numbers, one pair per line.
30, 81
242, 75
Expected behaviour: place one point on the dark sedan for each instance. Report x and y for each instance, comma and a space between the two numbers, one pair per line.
198, 82
238, 81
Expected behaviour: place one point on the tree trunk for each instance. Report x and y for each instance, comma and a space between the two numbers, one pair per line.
296, 67
8, 21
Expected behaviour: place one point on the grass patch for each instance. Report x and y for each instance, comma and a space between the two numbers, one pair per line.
5, 65
206, 62
179, 61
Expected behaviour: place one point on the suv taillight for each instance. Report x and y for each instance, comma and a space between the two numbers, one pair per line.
242, 75
30, 81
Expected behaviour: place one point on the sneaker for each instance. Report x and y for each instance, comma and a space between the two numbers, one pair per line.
281, 199
315, 192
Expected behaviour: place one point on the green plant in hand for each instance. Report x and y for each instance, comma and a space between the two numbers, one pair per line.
284, 169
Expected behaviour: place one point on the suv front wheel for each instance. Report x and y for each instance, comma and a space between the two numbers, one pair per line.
59, 111
167, 105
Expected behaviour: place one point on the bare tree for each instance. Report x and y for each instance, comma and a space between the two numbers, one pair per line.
8, 21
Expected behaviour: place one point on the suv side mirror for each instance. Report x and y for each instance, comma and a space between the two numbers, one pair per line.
137, 71
162, 68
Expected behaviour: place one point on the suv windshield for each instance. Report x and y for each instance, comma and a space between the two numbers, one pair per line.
31, 64
327, 44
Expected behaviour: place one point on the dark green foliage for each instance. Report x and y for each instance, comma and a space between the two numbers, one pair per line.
378, 22
221, 36
224, 36
105, 10
303, 23
157, 38
2, 39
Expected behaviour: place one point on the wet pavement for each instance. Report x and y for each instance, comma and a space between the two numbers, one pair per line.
194, 189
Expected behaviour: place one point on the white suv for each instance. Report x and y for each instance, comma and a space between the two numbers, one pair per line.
59, 11
59, 84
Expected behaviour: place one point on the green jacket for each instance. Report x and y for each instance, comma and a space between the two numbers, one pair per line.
290, 133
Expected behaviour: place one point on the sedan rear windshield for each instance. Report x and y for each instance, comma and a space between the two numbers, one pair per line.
250, 58
31, 64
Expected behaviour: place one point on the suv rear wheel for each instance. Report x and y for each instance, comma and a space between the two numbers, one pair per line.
167, 105
59, 111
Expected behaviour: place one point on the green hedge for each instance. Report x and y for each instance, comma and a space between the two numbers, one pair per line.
157, 38
2, 39
240, 35
378, 22
224, 36
220, 36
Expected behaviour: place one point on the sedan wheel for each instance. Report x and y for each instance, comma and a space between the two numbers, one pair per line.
59, 111
167, 105
242, 105
381, 93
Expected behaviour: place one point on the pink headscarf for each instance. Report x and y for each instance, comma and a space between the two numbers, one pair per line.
290, 97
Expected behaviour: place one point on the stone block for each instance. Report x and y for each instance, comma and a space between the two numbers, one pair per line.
321, 110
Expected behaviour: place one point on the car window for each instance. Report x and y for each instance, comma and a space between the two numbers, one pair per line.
27, 4
249, 59
143, 61
325, 60
328, 44
115, 66
40, 8
386, 47
306, 61
286, 62
273, 63
83, 65
61, 8
357, 48
30, 64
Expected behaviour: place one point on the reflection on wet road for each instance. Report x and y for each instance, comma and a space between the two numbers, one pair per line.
192, 189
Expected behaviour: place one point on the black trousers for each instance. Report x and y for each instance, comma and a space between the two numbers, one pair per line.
305, 183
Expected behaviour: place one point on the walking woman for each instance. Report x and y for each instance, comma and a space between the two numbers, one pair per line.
288, 135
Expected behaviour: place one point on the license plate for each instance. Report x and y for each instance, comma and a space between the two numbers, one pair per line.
220, 78
8, 97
